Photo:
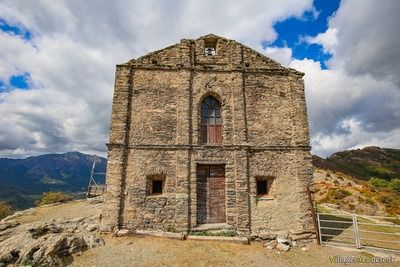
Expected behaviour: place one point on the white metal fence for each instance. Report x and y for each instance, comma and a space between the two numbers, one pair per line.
360, 231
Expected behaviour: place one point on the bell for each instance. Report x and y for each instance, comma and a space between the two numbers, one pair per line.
209, 51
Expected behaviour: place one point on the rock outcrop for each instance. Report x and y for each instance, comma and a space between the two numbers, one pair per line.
49, 243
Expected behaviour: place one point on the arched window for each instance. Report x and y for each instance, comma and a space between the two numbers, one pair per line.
211, 122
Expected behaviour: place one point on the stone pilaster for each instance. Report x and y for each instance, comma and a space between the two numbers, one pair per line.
242, 192
117, 149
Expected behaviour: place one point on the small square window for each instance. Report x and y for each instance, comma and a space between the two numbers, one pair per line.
264, 184
155, 184
262, 187
157, 187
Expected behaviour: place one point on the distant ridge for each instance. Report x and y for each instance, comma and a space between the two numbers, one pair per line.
23, 180
364, 163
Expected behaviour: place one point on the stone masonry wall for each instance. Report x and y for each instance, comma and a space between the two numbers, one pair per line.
286, 207
155, 131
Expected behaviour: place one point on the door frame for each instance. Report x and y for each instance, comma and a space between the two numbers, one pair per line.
210, 165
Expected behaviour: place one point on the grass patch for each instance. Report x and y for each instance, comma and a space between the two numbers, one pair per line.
171, 229
211, 233
323, 209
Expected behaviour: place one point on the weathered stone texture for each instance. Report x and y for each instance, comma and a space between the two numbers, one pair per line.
288, 205
155, 130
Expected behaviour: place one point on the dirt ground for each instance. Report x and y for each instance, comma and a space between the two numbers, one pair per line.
155, 251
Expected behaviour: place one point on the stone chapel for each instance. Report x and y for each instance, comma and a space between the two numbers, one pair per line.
208, 132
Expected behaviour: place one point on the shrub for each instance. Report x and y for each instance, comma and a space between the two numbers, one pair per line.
5, 209
395, 185
369, 201
338, 194
53, 197
385, 199
378, 182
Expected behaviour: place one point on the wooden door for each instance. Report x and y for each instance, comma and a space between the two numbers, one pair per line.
211, 194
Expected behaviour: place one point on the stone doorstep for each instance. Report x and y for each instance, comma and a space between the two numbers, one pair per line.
234, 239
126, 232
180, 236
212, 227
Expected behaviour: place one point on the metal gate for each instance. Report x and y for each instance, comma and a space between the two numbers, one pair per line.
360, 231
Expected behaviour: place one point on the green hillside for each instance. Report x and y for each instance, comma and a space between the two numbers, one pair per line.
383, 163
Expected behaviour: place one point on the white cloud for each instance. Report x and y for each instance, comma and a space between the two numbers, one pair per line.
356, 137
328, 40
348, 111
367, 38
281, 54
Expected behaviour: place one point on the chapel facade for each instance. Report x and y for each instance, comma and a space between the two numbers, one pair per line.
208, 131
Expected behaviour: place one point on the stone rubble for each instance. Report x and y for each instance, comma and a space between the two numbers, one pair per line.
271, 244
284, 240
266, 235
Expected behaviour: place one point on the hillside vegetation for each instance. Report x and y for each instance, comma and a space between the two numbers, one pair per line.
383, 163
53, 197
364, 181
5, 209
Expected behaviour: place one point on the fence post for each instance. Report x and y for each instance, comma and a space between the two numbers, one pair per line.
319, 229
356, 232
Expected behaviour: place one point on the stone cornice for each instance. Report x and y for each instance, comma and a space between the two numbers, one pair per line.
204, 147
210, 68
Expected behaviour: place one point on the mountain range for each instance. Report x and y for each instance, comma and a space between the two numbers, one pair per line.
22, 181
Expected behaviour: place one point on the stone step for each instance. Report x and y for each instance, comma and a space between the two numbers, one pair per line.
213, 227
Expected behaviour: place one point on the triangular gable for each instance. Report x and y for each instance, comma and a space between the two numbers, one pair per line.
230, 51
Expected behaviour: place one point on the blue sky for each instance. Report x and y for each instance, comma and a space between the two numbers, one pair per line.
292, 30
20, 81
57, 61
16, 82
15, 30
